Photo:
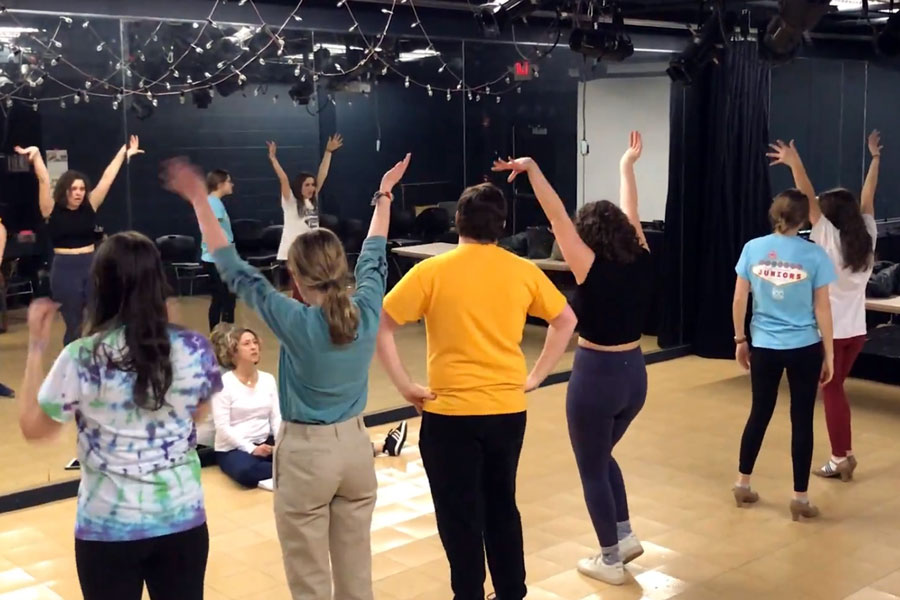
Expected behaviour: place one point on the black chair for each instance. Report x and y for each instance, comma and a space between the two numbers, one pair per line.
247, 235
179, 257
432, 224
265, 258
330, 222
352, 234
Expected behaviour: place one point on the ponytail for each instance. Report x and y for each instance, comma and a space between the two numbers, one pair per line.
341, 314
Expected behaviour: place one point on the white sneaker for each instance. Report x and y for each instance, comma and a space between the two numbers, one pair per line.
267, 484
630, 548
595, 568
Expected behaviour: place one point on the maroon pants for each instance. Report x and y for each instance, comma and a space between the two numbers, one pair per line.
837, 409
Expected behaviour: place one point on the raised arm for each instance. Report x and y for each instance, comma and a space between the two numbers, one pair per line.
333, 145
279, 172
45, 196
381, 218
786, 154
628, 197
577, 254
98, 194
867, 198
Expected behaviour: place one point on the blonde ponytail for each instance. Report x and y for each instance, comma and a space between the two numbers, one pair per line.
318, 260
789, 210
340, 314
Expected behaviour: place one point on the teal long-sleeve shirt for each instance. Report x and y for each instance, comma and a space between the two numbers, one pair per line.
318, 382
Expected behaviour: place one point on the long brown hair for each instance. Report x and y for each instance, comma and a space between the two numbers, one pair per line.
841, 207
65, 181
297, 190
789, 210
606, 230
317, 259
130, 292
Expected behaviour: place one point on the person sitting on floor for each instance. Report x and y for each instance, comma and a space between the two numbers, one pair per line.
245, 412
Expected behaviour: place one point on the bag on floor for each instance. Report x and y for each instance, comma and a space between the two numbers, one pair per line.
885, 280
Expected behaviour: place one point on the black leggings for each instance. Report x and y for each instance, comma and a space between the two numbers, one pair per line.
173, 567
221, 307
803, 366
606, 392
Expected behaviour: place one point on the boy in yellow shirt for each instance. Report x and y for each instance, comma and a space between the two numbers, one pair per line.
475, 300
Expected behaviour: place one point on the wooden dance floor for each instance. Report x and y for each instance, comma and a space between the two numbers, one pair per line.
679, 460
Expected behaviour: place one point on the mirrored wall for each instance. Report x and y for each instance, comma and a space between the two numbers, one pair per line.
217, 93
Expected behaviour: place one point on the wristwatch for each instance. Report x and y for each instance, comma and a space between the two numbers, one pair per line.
378, 195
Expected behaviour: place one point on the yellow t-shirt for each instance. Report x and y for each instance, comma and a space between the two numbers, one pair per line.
475, 299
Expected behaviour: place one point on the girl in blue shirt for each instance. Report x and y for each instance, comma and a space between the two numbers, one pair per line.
791, 331
324, 474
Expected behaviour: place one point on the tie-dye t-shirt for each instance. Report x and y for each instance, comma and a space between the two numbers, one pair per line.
140, 473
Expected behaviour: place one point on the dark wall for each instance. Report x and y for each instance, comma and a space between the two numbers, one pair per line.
828, 107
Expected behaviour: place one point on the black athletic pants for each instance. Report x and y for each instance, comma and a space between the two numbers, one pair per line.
173, 567
221, 306
803, 366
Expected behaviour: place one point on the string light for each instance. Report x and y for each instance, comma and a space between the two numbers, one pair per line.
206, 75
34, 107
297, 71
9, 103
141, 56
57, 43
448, 96
189, 80
340, 3
242, 2
507, 80
498, 99
262, 61
176, 74
298, 18
197, 49
115, 105
477, 97
384, 71
209, 45
406, 82
353, 27
87, 99
86, 24
387, 11
414, 25
220, 64
62, 103
155, 102
441, 70
68, 20
195, 25
100, 46
87, 85
54, 62
76, 99
519, 90
181, 98
170, 57
430, 91
275, 99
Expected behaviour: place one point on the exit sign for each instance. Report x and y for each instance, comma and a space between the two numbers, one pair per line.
522, 70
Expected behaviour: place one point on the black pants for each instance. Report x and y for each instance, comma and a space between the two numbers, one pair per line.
606, 392
471, 463
803, 366
173, 567
221, 307
70, 285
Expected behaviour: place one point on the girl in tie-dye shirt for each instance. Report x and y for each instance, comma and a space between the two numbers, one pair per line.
134, 386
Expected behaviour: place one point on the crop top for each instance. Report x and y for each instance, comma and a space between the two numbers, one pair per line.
72, 228
612, 302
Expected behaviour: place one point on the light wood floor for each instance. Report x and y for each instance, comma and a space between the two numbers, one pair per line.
679, 460
43, 464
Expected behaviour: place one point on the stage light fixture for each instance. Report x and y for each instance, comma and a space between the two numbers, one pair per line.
708, 45
780, 41
608, 42
494, 17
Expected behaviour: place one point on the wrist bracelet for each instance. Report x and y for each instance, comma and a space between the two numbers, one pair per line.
378, 195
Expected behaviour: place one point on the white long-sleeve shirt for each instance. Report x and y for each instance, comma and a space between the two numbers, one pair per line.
245, 416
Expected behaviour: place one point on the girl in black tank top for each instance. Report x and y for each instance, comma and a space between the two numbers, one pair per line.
70, 210
606, 249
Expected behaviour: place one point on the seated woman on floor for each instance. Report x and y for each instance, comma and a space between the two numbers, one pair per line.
245, 412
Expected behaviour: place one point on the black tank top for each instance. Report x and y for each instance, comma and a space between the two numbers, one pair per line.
72, 228
612, 302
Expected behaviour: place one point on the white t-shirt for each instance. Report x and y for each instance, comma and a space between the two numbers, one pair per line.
848, 293
294, 223
245, 416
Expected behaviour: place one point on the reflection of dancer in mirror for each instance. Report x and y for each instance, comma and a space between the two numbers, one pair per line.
300, 198
845, 228
71, 214
246, 413
325, 484
135, 385
607, 252
5, 392
222, 301
791, 331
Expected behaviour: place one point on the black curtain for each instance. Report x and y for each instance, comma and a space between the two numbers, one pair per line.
718, 197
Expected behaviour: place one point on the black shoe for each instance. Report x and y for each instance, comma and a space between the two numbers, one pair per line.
395, 440
6, 392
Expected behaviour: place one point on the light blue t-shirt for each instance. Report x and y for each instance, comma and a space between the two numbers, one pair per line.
784, 271
318, 383
222, 215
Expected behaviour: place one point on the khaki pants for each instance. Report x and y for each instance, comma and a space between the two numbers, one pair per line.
325, 491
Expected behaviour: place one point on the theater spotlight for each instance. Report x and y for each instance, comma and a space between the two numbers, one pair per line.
708, 45
888, 41
607, 42
493, 17
783, 36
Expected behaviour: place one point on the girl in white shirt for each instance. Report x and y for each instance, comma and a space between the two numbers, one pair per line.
845, 228
245, 412
299, 198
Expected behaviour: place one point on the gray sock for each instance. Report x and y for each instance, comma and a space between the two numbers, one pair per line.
610, 555
623, 529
